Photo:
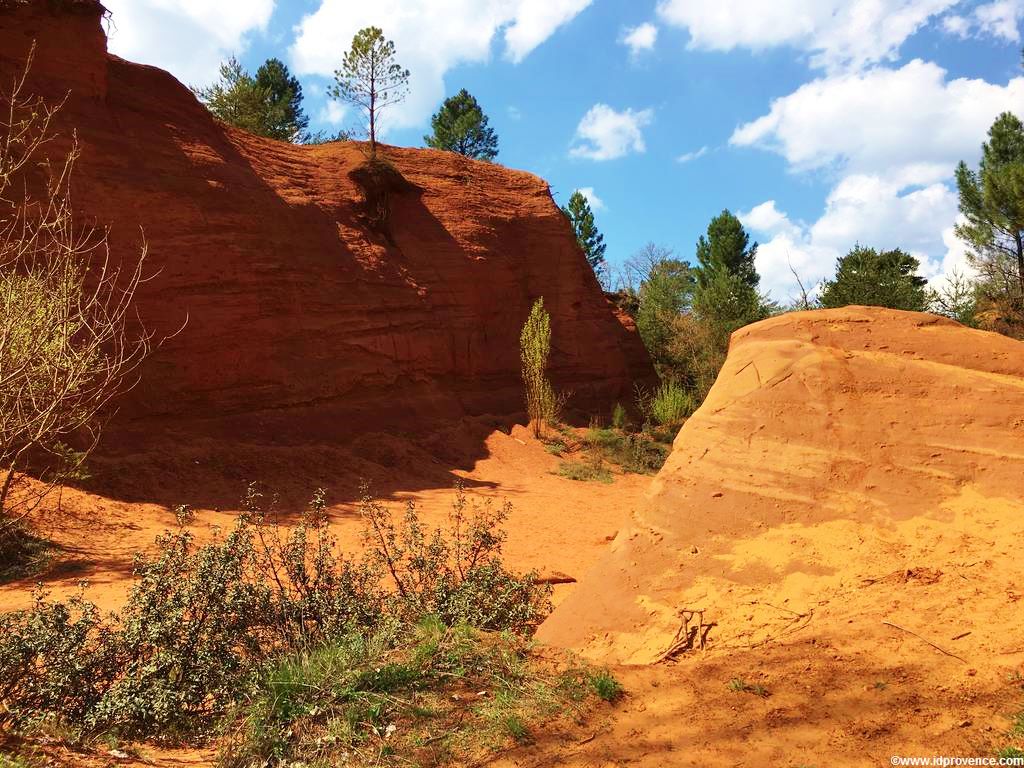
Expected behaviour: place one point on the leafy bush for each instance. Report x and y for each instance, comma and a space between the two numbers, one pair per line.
202, 622
542, 404
619, 417
585, 471
634, 452
670, 404
22, 553
460, 577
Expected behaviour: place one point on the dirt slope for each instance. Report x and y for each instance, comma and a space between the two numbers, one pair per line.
845, 451
850, 467
304, 323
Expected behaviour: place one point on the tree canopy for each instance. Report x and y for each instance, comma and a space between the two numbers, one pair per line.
269, 104
591, 241
666, 291
728, 244
877, 278
992, 205
460, 125
370, 78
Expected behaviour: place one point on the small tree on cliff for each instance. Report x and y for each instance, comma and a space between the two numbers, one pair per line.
269, 104
534, 347
370, 78
460, 125
66, 314
591, 241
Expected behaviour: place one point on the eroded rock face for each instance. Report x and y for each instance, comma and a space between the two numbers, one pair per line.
842, 459
303, 322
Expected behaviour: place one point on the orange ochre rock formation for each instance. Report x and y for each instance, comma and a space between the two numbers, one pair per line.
304, 322
843, 459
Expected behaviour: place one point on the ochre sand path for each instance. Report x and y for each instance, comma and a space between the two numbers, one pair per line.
557, 526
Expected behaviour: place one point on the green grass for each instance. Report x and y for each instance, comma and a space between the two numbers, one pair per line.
1017, 729
584, 472
406, 696
605, 686
738, 685
22, 554
638, 453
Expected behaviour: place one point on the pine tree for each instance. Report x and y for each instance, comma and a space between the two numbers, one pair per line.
285, 117
590, 240
728, 244
878, 279
269, 104
370, 78
992, 204
460, 125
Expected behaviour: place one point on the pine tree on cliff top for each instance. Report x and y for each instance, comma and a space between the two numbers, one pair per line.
460, 125
269, 104
591, 241
370, 78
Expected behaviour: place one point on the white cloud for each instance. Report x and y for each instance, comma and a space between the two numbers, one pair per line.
596, 203
839, 34
957, 25
188, 38
861, 209
688, 157
768, 219
893, 137
604, 134
533, 22
908, 121
431, 37
1000, 19
640, 38
333, 112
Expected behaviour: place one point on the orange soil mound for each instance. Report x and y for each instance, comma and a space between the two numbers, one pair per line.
849, 466
305, 322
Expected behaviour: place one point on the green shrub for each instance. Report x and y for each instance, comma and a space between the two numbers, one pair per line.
459, 577
555, 448
22, 553
671, 404
584, 471
606, 686
542, 404
637, 453
202, 622
619, 417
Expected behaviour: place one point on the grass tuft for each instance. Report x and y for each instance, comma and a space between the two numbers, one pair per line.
581, 471
738, 685
605, 686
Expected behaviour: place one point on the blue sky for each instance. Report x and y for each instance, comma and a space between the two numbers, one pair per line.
820, 122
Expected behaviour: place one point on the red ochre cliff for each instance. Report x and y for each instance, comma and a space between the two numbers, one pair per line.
303, 323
